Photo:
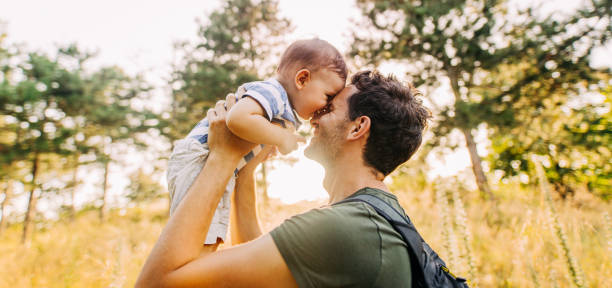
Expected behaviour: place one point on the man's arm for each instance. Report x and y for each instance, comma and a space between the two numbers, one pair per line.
177, 259
246, 120
244, 221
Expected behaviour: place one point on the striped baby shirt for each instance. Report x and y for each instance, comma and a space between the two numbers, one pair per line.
272, 97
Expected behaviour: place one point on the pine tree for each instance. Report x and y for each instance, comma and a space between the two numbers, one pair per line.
234, 46
35, 104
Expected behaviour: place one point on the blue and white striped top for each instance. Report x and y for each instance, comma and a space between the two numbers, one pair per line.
271, 95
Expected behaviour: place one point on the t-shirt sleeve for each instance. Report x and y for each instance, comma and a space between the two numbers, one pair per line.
325, 248
267, 96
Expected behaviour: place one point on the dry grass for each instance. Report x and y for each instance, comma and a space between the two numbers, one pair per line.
511, 243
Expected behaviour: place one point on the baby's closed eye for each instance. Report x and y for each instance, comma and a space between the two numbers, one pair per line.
322, 111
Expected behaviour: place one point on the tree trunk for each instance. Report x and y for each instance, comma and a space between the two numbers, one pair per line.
7, 195
104, 189
264, 184
73, 188
481, 179
27, 223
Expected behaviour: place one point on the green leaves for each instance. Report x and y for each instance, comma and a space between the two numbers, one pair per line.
234, 47
512, 69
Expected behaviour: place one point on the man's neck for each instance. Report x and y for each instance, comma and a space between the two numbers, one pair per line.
341, 182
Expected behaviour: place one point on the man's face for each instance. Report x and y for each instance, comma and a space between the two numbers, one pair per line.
330, 128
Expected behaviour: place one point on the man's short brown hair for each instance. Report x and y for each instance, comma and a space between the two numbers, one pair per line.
312, 54
397, 117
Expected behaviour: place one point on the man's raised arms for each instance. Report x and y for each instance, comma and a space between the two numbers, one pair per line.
178, 260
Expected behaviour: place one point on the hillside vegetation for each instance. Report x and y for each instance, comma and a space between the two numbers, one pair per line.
509, 244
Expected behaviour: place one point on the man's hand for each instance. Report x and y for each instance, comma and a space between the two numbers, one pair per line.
177, 259
220, 139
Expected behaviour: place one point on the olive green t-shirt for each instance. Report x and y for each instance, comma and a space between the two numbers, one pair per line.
345, 245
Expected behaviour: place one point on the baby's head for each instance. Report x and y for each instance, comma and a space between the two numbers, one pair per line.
311, 71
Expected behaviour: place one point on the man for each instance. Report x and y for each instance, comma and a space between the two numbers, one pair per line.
371, 127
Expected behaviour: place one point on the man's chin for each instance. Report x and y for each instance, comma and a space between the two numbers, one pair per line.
312, 151
308, 151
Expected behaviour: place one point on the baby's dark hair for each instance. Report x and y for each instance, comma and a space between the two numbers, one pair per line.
312, 54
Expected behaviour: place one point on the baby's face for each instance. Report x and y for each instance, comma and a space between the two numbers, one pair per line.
324, 84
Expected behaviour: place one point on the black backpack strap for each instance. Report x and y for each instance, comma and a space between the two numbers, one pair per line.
401, 224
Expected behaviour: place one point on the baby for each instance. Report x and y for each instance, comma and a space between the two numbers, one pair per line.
310, 73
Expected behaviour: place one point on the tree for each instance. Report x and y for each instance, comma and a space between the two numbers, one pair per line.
34, 105
55, 110
112, 119
143, 186
234, 47
7, 158
466, 41
532, 98
575, 143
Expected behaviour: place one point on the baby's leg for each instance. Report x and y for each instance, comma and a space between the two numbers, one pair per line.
185, 164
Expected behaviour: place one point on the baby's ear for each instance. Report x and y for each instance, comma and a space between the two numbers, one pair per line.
302, 77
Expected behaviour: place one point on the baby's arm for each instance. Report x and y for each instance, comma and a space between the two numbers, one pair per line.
247, 120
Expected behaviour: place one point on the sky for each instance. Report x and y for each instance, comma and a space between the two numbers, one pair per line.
138, 36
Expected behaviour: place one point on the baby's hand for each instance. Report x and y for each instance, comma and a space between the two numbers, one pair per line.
290, 141
290, 144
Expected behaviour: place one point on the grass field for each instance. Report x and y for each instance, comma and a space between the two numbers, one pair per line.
509, 243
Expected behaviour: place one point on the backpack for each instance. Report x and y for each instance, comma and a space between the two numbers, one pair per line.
431, 271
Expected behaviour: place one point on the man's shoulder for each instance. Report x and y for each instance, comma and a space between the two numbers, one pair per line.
346, 215
337, 225
332, 215
319, 244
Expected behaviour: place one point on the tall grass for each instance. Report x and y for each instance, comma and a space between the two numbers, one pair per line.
454, 229
462, 227
607, 224
512, 241
514, 247
447, 228
572, 263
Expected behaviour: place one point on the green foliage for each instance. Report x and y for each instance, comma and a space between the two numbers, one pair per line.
234, 46
576, 144
505, 66
143, 187
53, 110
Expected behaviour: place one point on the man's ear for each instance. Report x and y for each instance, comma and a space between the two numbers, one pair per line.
360, 127
302, 78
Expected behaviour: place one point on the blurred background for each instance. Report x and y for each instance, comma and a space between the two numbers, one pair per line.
512, 184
